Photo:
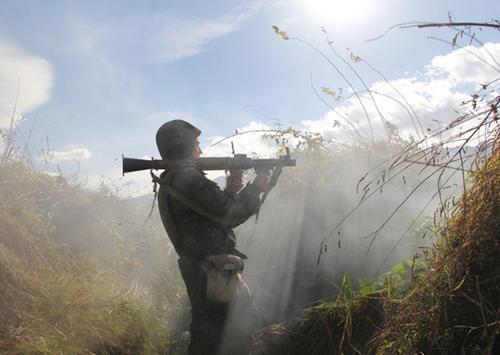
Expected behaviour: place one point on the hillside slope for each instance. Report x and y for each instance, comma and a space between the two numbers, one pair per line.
447, 302
80, 271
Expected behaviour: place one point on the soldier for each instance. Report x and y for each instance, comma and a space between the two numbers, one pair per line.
199, 218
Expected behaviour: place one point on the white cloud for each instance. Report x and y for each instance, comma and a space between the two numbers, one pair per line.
470, 64
70, 155
31, 74
434, 97
251, 143
186, 38
181, 38
163, 37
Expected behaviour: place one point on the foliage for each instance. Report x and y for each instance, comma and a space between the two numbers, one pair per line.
456, 306
340, 326
74, 267
445, 301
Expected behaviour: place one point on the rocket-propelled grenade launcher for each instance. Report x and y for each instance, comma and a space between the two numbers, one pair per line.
238, 162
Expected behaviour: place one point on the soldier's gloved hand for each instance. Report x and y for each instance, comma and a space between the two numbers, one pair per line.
262, 180
234, 182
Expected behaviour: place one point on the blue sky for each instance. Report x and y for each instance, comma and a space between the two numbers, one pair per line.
97, 78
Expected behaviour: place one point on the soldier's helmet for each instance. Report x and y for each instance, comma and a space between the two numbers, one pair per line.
176, 139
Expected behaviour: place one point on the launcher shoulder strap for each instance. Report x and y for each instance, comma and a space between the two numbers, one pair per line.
192, 205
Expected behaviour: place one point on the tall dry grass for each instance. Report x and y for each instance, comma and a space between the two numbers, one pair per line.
80, 271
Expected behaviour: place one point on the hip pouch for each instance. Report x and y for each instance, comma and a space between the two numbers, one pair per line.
223, 277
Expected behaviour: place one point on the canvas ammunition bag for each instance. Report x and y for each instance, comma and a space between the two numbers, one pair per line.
223, 277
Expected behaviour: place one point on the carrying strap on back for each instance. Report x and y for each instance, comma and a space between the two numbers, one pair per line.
170, 225
165, 184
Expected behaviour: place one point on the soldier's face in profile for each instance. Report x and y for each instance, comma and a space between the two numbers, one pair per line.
197, 150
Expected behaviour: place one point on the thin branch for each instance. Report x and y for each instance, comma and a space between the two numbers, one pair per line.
245, 132
384, 123
455, 24
401, 95
345, 79
10, 132
334, 110
436, 165
422, 24
393, 27
393, 99
476, 129
474, 38
411, 225
374, 234
442, 169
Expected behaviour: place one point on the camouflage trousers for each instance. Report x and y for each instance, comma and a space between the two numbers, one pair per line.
217, 328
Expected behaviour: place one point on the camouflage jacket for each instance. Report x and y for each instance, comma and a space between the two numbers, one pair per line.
192, 234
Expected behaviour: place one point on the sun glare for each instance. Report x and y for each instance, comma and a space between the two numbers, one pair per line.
340, 12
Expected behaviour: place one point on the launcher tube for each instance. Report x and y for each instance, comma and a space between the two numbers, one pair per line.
212, 163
